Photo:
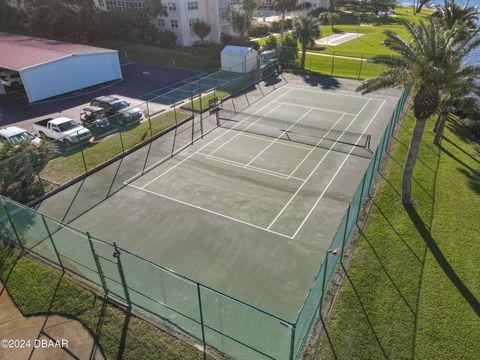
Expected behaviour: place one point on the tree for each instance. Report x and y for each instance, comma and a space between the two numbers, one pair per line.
306, 30
461, 82
241, 16
270, 42
19, 169
333, 19
418, 63
153, 9
283, 6
457, 18
202, 29
288, 50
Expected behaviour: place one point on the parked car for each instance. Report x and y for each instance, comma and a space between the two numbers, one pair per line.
63, 129
94, 119
11, 79
14, 135
118, 112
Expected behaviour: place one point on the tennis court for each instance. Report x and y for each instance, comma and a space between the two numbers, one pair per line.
251, 208
229, 225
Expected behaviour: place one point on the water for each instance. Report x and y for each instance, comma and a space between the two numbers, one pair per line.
474, 57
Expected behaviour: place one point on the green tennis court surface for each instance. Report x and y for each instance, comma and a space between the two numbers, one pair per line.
251, 208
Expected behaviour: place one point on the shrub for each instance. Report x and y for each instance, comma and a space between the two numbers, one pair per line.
270, 42
259, 29
166, 39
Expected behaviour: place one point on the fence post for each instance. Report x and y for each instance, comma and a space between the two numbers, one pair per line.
53, 243
323, 283
84, 161
292, 341
345, 231
121, 141
97, 263
201, 322
149, 123
360, 69
13, 225
360, 203
333, 60
116, 254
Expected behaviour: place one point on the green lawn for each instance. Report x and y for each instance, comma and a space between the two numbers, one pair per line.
413, 286
70, 165
340, 67
39, 290
370, 43
193, 58
203, 105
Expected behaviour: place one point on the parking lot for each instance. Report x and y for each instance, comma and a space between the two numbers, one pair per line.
140, 81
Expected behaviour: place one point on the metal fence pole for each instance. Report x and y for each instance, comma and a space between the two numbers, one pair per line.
323, 283
333, 61
53, 243
345, 231
292, 342
97, 263
201, 322
121, 141
149, 122
84, 161
13, 224
116, 254
360, 203
360, 69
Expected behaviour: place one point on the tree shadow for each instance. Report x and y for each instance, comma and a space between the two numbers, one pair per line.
473, 179
462, 163
442, 260
461, 149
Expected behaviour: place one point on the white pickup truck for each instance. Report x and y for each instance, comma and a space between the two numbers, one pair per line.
62, 129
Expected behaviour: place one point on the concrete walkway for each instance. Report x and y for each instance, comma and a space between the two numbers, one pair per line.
42, 337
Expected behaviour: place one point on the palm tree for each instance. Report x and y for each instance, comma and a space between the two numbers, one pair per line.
461, 81
306, 30
452, 16
460, 91
419, 63
283, 6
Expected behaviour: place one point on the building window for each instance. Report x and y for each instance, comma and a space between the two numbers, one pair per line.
174, 23
160, 23
172, 6
192, 5
193, 21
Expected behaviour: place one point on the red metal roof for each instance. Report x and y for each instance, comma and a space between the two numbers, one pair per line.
18, 52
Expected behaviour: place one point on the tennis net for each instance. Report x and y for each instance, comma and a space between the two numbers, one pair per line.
284, 130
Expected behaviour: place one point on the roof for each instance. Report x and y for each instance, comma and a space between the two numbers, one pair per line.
237, 50
18, 52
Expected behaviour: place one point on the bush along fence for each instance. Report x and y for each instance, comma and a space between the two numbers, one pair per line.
217, 320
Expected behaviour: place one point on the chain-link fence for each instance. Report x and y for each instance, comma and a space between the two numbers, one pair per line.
238, 329
331, 63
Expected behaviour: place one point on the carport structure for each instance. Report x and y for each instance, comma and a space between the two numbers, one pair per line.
49, 68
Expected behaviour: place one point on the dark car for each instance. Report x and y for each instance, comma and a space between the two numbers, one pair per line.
118, 112
94, 118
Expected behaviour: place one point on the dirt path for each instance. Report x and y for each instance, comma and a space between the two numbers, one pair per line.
42, 337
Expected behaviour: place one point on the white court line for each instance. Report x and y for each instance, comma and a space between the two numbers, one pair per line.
336, 173
316, 108
250, 124
285, 142
211, 211
312, 149
274, 141
252, 168
204, 146
316, 167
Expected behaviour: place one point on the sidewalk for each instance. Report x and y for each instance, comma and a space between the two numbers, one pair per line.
42, 337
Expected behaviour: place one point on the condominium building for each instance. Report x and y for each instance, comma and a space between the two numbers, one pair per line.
182, 14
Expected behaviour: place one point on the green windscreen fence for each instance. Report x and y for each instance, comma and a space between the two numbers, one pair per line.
238, 329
